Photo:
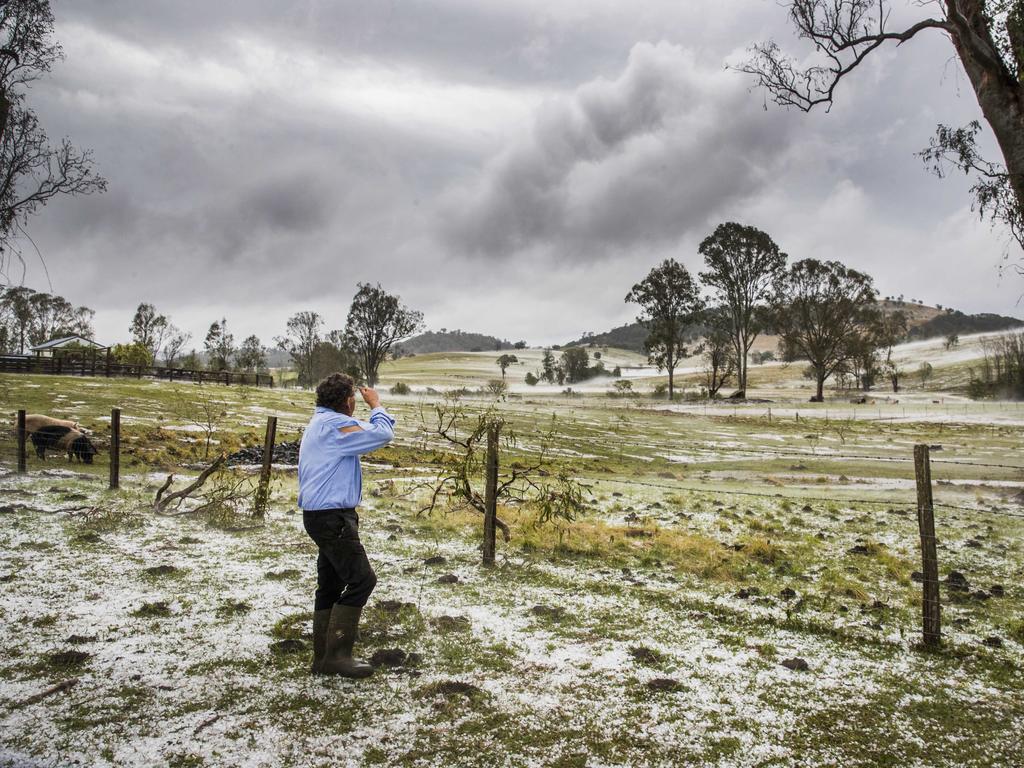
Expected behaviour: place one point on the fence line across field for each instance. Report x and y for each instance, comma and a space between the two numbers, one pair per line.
113, 444
925, 504
905, 505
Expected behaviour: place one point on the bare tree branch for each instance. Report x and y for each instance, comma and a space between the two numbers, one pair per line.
160, 505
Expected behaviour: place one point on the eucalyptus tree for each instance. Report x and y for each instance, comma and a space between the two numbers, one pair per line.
301, 342
670, 304
504, 362
377, 321
219, 345
32, 170
822, 311
149, 328
742, 264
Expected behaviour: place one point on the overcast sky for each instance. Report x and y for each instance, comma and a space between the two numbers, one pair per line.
506, 167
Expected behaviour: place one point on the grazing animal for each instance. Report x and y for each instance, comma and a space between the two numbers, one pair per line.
35, 421
57, 438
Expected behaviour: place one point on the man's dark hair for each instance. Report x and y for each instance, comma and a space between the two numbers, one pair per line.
334, 392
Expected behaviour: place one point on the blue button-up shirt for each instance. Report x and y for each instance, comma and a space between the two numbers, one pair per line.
329, 473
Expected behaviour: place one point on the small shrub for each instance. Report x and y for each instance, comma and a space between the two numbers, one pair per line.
531, 379
400, 388
497, 388
621, 388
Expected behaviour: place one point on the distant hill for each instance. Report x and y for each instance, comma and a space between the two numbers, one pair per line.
957, 322
631, 337
452, 341
917, 314
923, 321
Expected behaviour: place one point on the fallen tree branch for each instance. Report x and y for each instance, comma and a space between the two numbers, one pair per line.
160, 504
163, 488
59, 687
206, 723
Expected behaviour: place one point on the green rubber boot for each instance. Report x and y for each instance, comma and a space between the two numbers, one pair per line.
342, 632
321, 619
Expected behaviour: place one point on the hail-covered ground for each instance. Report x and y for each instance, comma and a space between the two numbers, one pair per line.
741, 589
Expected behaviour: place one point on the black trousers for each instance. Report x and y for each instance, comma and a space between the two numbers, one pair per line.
343, 572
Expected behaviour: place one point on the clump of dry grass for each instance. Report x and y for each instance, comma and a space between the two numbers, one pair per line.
764, 551
692, 553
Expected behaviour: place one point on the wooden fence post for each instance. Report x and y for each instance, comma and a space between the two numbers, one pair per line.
931, 609
115, 448
491, 494
22, 468
263, 489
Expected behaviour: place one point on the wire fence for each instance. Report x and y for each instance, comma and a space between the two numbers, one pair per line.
904, 505
54, 454
102, 442
105, 451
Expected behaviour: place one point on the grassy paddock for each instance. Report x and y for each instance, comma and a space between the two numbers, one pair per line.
650, 631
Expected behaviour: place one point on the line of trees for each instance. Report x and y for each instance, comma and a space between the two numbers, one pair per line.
570, 367
377, 321
1000, 373
822, 311
29, 317
155, 339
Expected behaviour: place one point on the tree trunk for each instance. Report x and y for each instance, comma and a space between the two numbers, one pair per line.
1000, 95
741, 365
820, 397
5, 111
671, 390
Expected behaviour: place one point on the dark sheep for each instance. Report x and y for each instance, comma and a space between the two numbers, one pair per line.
57, 438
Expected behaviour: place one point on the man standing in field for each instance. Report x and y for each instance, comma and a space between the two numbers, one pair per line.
330, 489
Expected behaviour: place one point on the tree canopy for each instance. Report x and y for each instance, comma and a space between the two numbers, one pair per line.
670, 303
32, 170
988, 38
742, 264
821, 311
376, 321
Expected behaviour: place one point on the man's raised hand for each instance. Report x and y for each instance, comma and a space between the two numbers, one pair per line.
370, 397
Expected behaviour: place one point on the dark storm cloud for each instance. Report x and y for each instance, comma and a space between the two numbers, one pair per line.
645, 157
470, 40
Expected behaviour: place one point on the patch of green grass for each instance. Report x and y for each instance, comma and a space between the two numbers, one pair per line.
154, 610
230, 608
294, 626
935, 726
124, 705
1016, 630
458, 655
